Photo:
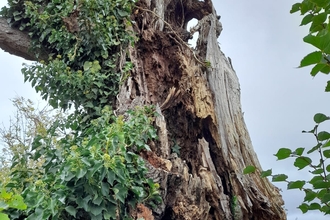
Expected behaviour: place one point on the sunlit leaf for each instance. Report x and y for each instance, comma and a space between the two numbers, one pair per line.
249, 169
279, 178
283, 153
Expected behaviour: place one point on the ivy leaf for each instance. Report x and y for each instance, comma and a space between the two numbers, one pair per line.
296, 184
302, 162
283, 153
279, 178
71, 210
87, 65
266, 173
3, 216
312, 58
319, 118
249, 169
121, 192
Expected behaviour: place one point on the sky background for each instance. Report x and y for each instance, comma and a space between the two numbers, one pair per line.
264, 42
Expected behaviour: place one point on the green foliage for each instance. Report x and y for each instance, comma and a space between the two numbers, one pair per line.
96, 173
9, 200
317, 196
85, 165
86, 42
176, 148
316, 13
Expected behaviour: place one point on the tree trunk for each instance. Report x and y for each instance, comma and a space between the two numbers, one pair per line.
197, 95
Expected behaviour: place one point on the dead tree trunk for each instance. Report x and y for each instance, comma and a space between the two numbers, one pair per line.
197, 95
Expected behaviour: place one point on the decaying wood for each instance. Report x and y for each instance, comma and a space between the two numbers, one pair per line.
198, 109
202, 110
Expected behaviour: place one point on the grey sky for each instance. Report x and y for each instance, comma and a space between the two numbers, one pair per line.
265, 45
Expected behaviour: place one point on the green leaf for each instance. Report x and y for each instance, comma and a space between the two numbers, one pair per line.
87, 65
120, 192
312, 58
266, 173
295, 7
3, 216
317, 171
309, 195
321, 185
279, 178
320, 42
307, 19
296, 184
111, 176
299, 151
314, 148
323, 135
105, 187
314, 206
17, 202
319, 67
316, 179
325, 198
319, 118
249, 169
81, 172
326, 153
96, 210
71, 210
319, 19
320, 3
283, 153
302, 162
304, 207
328, 168
327, 88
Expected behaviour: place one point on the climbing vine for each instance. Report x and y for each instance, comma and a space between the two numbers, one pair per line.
85, 42
89, 165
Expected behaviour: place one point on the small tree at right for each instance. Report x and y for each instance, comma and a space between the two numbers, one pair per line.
317, 190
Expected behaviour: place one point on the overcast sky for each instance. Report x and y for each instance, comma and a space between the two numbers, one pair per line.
264, 42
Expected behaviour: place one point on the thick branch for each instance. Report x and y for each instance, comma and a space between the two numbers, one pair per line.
15, 42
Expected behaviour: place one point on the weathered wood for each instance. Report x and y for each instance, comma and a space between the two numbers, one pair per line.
16, 42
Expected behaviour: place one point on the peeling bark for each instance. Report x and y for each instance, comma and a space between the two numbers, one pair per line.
199, 110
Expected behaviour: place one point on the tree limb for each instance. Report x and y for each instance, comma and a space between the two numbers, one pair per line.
15, 41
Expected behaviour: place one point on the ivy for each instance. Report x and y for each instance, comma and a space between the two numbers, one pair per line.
86, 43
96, 173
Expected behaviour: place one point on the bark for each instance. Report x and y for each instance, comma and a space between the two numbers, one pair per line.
199, 110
